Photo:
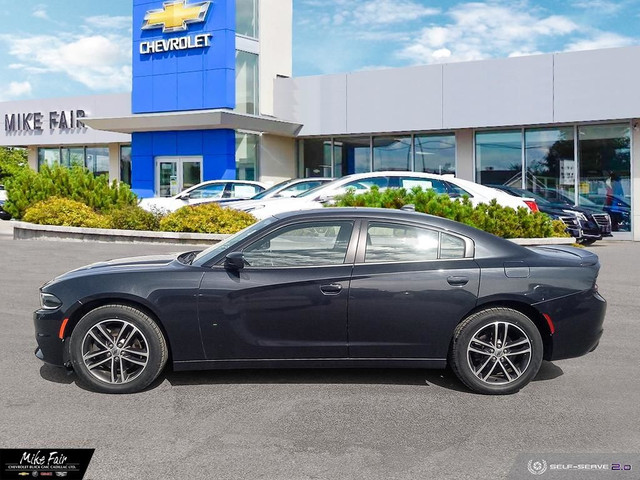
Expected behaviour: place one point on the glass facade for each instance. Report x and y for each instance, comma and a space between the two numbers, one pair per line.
435, 153
72, 156
247, 148
316, 155
499, 157
351, 155
605, 171
48, 156
591, 169
246, 83
125, 164
95, 158
431, 153
391, 153
247, 18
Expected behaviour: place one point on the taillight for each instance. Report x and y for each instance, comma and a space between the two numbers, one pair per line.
532, 205
552, 328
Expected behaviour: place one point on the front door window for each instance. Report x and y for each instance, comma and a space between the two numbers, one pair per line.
175, 174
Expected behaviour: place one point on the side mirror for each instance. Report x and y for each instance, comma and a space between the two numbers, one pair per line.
234, 261
323, 198
185, 196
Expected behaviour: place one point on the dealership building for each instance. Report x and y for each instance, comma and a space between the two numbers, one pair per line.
213, 97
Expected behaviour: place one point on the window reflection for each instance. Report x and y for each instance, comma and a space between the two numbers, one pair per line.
352, 155
246, 82
499, 158
247, 18
605, 171
247, 146
550, 162
391, 153
435, 154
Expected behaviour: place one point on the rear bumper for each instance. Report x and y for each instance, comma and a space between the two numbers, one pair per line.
578, 321
51, 349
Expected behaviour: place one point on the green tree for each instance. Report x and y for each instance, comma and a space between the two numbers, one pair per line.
12, 161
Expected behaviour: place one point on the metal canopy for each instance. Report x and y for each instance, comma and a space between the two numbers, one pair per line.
196, 120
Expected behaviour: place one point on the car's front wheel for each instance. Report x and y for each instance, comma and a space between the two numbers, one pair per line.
117, 349
496, 351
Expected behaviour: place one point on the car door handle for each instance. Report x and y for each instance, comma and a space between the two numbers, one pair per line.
457, 281
331, 289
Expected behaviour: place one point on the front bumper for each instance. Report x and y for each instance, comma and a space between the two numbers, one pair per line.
578, 321
51, 349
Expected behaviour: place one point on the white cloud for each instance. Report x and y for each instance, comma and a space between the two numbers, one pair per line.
368, 12
16, 90
601, 40
482, 30
600, 7
98, 60
390, 11
40, 11
108, 22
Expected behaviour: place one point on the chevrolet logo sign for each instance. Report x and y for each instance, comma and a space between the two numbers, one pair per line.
175, 16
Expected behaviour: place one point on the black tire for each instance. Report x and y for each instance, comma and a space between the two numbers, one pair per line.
117, 370
474, 345
587, 241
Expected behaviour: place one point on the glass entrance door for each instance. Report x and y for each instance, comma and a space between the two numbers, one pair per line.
175, 174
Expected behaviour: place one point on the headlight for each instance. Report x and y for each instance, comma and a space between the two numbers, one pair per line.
49, 301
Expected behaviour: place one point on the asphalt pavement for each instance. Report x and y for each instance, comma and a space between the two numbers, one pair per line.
314, 424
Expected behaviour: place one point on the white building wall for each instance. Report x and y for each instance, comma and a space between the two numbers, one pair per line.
113, 105
521, 91
276, 159
275, 19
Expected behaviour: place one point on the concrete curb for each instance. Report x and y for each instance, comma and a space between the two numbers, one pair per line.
30, 231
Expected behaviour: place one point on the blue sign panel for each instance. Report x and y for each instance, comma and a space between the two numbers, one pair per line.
217, 148
183, 55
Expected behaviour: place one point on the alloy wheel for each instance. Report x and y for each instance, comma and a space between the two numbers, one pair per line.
499, 353
115, 351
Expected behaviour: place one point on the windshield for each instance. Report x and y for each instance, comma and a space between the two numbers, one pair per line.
268, 191
204, 256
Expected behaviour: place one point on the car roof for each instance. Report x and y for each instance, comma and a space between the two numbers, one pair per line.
492, 245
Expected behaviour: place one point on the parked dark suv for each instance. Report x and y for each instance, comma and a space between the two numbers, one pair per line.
584, 224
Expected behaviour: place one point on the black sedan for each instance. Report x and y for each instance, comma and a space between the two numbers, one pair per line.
337, 287
584, 224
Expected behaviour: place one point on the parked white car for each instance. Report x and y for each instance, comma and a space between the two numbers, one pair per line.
202, 193
319, 196
293, 187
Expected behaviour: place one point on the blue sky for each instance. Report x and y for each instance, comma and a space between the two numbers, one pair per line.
52, 48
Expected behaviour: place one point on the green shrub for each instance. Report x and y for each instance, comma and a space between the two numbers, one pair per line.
493, 218
27, 187
133, 218
12, 161
207, 218
65, 212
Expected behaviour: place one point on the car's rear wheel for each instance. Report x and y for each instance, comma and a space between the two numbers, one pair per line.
117, 349
496, 351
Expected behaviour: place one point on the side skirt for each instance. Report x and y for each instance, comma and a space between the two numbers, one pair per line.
435, 363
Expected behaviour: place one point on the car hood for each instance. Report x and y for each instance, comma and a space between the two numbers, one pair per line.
120, 264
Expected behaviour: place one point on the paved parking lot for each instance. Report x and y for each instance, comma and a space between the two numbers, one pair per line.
315, 424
